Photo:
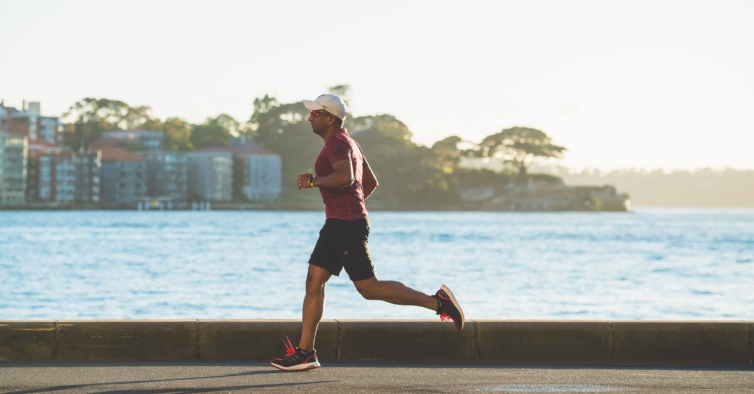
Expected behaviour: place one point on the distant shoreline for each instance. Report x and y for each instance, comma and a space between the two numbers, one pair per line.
314, 208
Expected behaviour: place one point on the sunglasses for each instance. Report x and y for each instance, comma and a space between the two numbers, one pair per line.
316, 114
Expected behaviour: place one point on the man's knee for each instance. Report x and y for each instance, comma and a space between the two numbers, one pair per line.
368, 293
314, 284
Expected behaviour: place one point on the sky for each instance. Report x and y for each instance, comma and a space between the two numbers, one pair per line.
620, 84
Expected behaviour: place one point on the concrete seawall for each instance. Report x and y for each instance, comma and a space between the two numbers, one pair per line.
618, 343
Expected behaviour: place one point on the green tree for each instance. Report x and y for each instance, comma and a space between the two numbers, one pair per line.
93, 116
387, 126
409, 174
263, 105
341, 91
177, 135
521, 146
285, 130
228, 123
213, 132
448, 153
140, 118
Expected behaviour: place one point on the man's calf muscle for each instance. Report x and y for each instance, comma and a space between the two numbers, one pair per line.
393, 292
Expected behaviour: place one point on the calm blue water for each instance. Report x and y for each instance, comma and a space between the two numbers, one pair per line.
650, 264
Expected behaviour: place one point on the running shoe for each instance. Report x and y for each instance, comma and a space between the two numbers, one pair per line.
449, 308
295, 359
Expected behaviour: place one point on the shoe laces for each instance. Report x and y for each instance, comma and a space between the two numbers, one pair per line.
289, 349
445, 317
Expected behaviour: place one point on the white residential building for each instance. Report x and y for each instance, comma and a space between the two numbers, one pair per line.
260, 173
210, 175
13, 154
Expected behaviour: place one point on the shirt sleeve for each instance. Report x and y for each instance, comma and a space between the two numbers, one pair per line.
339, 150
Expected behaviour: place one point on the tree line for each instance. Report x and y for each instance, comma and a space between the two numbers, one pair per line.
91, 117
411, 175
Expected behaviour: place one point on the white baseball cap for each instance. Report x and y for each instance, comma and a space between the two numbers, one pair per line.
330, 103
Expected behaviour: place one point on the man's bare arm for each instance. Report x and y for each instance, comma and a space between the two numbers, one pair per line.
370, 181
341, 177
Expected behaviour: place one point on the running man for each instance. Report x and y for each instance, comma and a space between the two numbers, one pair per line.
345, 181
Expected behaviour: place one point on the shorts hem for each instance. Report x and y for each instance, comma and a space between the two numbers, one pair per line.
325, 268
372, 275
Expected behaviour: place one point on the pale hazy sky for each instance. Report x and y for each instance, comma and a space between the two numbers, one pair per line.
621, 84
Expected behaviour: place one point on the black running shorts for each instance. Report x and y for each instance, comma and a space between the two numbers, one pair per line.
343, 244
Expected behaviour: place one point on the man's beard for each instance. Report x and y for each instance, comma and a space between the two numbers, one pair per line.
319, 133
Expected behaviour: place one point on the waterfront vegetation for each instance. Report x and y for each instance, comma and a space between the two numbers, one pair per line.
411, 175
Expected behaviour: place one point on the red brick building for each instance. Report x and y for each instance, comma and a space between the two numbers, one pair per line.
50, 173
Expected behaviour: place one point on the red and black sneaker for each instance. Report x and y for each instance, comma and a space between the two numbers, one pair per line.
296, 359
448, 307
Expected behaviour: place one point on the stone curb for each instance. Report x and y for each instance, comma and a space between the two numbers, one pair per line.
619, 343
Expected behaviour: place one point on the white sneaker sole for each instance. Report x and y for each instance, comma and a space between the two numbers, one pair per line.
455, 303
299, 367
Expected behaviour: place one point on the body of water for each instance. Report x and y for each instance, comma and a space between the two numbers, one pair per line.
648, 264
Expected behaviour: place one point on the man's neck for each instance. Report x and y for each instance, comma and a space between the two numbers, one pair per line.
330, 133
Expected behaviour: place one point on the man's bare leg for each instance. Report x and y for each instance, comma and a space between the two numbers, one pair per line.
314, 305
394, 293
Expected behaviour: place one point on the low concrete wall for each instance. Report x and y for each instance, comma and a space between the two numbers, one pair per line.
622, 343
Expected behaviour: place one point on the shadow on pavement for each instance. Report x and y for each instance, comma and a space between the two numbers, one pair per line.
109, 364
378, 364
214, 389
175, 390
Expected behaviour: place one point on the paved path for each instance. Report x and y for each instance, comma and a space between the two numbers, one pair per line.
349, 378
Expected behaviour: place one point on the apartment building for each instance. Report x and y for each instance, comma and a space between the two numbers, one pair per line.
30, 123
13, 156
151, 140
167, 175
257, 174
4, 121
50, 173
56, 174
123, 178
210, 175
87, 167
65, 178
39, 170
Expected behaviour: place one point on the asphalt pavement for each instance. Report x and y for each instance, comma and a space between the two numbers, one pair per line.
350, 378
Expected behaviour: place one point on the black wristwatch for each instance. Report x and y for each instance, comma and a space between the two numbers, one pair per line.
311, 180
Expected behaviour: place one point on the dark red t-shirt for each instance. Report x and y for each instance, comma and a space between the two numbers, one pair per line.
345, 203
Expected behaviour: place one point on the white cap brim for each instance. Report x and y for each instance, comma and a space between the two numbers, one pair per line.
312, 105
